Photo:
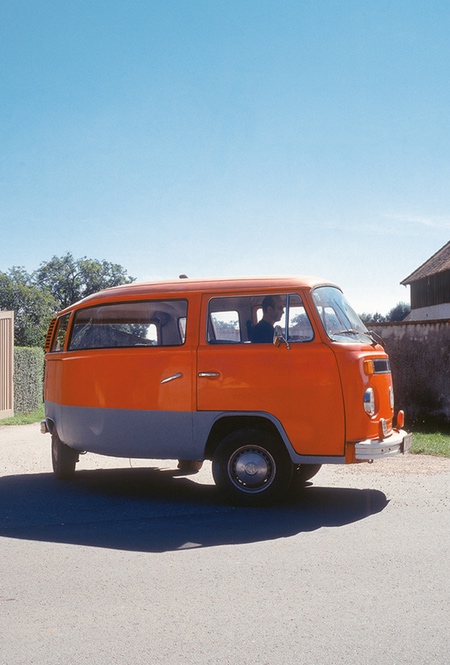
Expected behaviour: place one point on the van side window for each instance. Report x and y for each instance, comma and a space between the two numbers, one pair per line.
299, 328
231, 319
129, 324
59, 336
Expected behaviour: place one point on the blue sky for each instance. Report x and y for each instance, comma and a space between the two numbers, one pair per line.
228, 137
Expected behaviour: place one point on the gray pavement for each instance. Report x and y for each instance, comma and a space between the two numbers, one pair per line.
132, 563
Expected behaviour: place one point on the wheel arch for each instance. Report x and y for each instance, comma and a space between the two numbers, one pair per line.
231, 423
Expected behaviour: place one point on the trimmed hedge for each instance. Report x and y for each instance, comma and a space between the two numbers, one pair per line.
28, 378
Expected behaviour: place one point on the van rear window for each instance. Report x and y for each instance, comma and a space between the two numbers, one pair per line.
130, 324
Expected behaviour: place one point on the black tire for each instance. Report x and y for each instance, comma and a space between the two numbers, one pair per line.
64, 458
307, 471
252, 467
302, 473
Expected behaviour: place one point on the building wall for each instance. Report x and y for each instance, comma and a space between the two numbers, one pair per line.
431, 290
430, 313
420, 360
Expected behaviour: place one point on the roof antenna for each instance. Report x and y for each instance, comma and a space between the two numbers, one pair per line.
183, 276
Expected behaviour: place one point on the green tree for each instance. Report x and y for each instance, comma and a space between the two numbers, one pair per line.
70, 280
399, 312
56, 284
366, 317
33, 308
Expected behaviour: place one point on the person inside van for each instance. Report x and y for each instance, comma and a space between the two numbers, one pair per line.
273, 310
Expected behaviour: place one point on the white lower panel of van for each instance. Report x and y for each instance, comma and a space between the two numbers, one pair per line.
125, 433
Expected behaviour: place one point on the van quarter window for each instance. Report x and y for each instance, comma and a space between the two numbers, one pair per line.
61, 331
130, 324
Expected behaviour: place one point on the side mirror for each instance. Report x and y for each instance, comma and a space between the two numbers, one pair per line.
279, 338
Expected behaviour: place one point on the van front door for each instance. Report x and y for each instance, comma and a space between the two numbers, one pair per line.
297, 386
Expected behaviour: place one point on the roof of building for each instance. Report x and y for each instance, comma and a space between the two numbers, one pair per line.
439, 262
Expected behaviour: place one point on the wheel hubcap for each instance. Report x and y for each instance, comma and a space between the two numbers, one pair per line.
252, 469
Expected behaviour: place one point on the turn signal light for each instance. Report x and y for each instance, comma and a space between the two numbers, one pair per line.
400, 419
368, 367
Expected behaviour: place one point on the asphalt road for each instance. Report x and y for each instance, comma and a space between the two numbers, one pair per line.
129, 563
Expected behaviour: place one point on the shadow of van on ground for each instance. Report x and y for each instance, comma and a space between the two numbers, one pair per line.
148, 510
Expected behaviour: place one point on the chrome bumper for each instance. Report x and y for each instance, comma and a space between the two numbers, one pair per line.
395, 444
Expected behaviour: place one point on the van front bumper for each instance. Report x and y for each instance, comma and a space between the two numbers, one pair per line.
395, 444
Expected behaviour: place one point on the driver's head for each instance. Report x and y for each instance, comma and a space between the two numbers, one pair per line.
273, 308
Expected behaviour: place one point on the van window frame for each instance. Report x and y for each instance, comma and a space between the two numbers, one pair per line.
149, 301
351, 328
244, 335
57, 345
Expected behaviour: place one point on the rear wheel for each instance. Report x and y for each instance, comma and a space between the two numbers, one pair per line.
64, 458
252, 467
307, 471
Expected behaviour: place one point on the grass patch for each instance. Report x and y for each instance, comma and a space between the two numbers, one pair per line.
431, 443
25, 418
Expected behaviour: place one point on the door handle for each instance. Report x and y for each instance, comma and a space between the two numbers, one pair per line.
172, 378
208, 375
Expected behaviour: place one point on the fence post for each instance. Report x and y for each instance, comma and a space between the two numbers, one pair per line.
6, 364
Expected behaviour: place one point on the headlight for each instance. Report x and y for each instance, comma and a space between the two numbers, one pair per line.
369, 402
391, 397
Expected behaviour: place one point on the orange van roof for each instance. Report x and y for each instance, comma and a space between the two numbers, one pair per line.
217, 285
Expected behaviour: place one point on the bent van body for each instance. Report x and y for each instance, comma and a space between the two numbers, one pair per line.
168, 370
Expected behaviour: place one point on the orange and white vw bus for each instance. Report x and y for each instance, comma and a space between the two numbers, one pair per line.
168, 370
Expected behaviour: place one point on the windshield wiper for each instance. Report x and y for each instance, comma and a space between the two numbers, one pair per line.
349, 330
376, 339
352, 331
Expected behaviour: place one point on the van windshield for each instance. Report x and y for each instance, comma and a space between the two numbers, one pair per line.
340, 321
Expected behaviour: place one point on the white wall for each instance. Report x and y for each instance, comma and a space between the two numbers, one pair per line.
430, 313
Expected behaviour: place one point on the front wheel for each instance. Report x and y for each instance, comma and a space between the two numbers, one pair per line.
252, 467
64, 458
